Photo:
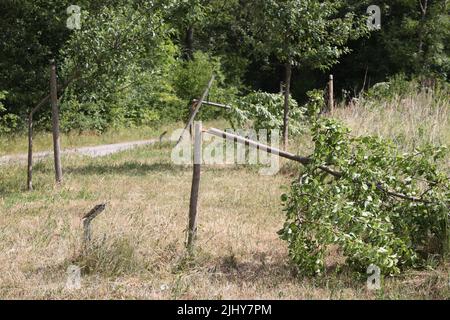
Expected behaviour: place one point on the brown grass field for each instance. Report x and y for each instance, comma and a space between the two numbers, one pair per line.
138, 249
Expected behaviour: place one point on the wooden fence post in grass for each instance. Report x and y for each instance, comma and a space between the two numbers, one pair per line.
192, 229
192, 108
30, 128
331, 94
30, 153
87, 219
55, 122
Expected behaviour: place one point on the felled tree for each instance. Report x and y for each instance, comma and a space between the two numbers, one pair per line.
379, 206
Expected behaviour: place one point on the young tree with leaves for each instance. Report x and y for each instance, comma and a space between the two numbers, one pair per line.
300, 33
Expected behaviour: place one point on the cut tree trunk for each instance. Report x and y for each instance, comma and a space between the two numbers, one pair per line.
30, 153
287, 92
55, 123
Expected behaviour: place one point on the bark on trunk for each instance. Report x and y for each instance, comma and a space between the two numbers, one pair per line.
55, 123
190, 43
30, 153
424, 10
287, 92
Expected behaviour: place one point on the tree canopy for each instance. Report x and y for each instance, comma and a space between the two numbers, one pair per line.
131, 51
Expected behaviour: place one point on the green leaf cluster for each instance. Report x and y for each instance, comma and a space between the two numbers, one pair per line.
262, 110
381, 207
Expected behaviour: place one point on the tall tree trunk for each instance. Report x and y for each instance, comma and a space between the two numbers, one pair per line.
30, 153
287, 93
55, 122
424, 10
190, 43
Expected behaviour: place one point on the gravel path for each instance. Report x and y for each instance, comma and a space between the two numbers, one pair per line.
97, 151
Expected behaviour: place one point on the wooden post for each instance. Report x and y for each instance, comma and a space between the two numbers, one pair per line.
55, 122
30, 153
195, 187
87, 219
197, 109
161, 137
268, 149
30, 128
192, 107
331, 94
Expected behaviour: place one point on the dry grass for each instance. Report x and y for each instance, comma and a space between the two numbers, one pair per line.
138, 249
15, 144
409, 121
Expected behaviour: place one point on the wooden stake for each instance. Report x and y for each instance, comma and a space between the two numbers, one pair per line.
87, 219
197, 108
331, 94
304, 161
55, 122
30, 153
195, 187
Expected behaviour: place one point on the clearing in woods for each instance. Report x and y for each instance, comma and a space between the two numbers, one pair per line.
139, 241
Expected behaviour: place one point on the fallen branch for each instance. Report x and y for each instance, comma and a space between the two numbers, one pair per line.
284, 154
197, 108
214, 104
302, 160
401, 196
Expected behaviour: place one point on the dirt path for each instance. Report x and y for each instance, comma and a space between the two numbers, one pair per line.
97, 151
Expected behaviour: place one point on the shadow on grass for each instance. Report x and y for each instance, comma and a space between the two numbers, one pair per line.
277, 269
257, 269
136, 168
127, 168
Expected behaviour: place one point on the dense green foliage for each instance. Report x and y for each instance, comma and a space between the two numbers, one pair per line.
413, 40
7, 121
140, 62
380, 207
303, 33
261, 110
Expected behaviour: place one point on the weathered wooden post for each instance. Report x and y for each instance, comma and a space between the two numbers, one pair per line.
30, 153
87, 219
331, 94
192, 108
197, 109
55, 122
192, 230
30, 121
